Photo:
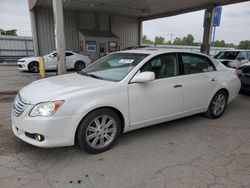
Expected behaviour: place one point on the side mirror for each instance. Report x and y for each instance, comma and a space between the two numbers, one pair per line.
143, 77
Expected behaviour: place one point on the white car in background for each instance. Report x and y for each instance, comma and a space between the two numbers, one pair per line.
73, 61
121, 92
233, 58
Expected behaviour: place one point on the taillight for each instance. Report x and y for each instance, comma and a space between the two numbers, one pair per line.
238, 72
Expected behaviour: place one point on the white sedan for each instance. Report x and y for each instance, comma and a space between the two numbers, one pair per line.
73, 61
118, 93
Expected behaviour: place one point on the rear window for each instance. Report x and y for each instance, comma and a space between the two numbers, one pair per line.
246, 70
227, 55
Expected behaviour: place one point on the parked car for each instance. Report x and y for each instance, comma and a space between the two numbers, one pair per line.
233, 58
244, 74
73, 61
121, 92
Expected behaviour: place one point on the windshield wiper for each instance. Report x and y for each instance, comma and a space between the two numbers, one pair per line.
90, 75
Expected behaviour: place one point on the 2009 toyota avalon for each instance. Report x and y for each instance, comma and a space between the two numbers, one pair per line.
118, 93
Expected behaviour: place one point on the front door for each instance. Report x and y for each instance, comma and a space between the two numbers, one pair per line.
160, 99
102, 49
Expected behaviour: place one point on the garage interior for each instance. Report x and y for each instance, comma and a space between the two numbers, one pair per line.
110, 25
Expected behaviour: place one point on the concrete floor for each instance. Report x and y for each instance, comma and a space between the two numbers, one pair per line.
188, 153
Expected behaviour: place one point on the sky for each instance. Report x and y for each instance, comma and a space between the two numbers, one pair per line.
235, 25
235, 22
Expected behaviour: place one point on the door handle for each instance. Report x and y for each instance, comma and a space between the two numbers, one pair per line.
213, 80
177, 85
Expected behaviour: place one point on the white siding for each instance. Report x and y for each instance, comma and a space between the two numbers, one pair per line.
86, 21
45, 30
127, 29
71, 30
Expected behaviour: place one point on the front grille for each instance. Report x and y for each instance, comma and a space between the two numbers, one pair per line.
18, 106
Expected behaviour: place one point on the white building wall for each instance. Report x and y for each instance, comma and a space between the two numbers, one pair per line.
126, 28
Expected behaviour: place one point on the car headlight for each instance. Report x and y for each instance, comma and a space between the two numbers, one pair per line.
45, 108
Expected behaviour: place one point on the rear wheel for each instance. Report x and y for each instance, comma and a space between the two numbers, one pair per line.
79, 65
217, 105
33, 67
99, 130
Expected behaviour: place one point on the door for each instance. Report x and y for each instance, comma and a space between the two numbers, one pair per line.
69, 59
155, 101
102, 49
51, 61
199, 80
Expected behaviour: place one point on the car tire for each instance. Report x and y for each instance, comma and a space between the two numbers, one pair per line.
98, 131
33, 66
217, 105
79, 65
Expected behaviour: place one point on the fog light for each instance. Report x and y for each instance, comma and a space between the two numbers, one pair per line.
39, 137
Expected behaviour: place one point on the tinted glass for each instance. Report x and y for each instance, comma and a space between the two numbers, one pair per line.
227, 55
163, 66
243, 54
248, 55
68, 54
113, 67
246, 69
193, 64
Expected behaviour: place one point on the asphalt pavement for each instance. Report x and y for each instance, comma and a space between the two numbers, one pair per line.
193, 152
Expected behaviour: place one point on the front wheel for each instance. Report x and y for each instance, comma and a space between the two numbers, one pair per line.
217, 105
33, 67
79, 65
99, 130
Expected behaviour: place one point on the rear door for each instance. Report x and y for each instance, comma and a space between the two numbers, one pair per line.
199, 80
69, 59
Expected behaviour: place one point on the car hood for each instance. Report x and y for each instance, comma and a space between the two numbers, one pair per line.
221, 60
28, 58
57, 86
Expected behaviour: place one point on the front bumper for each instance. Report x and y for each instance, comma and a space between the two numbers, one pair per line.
22, 66
57, 131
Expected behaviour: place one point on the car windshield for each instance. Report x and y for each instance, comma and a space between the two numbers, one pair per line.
113, 67
227, 55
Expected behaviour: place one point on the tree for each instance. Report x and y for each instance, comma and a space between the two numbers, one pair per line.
145, 40
12, 32
244, 44
219, 43
177, 41
188, 40
159, 40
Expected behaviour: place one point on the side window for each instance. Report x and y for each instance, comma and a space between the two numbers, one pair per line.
163, 66
54, 54
193, 64
243, 55
248, 55
67, 54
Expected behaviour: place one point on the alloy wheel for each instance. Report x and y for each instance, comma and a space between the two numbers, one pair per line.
101, 131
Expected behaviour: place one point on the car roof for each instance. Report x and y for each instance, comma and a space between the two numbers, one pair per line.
234, 50
158, 51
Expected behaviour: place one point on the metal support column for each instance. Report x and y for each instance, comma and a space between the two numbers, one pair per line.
140, 32
207, 33
59, 36
34, 32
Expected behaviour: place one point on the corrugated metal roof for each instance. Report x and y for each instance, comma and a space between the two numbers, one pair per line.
96, 33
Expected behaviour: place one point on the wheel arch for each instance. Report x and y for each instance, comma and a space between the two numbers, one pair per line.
121, 117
